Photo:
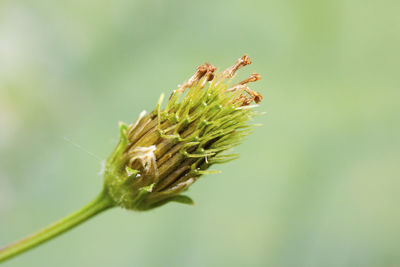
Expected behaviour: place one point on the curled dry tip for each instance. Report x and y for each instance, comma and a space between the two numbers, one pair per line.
209, 70
241, 62
205, 70
253, 78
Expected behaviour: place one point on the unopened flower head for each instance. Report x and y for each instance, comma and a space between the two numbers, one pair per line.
162, 153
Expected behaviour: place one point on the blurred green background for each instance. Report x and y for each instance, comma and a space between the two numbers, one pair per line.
317, 185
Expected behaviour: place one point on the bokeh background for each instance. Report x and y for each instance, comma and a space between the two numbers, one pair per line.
317, 185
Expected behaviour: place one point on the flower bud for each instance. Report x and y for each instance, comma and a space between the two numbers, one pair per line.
162, 153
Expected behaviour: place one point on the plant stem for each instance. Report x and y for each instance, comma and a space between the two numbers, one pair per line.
101, 203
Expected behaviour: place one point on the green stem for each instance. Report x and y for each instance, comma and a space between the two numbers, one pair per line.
101, 203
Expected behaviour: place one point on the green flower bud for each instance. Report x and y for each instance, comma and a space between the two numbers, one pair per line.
162, 153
